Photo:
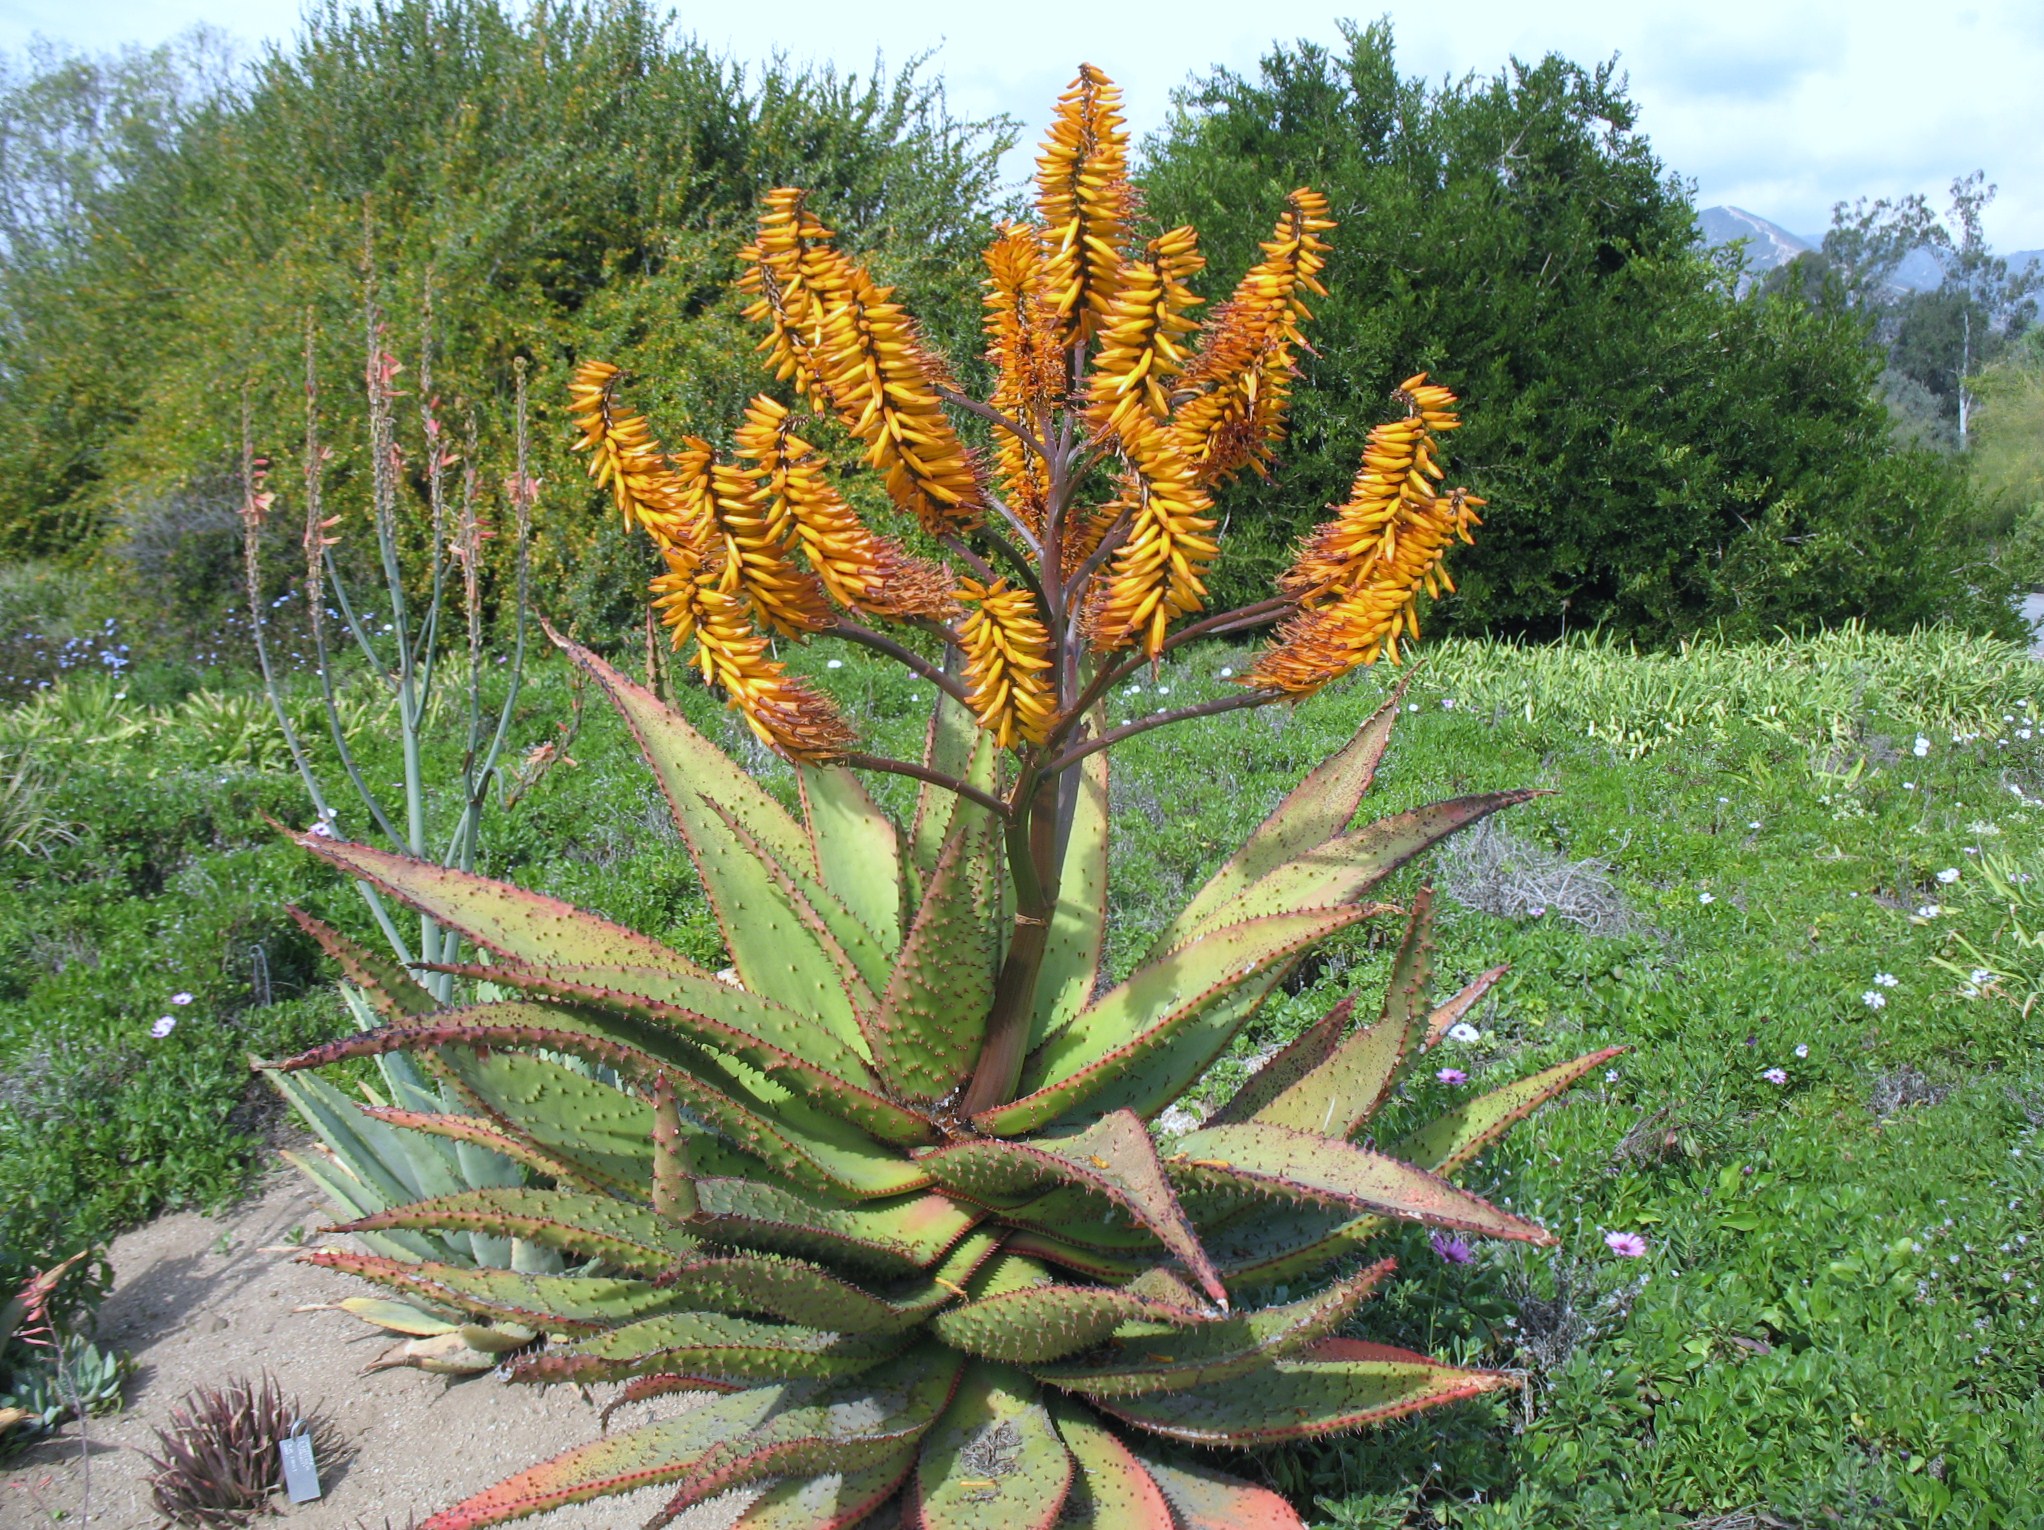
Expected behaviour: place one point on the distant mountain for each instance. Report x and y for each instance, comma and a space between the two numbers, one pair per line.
1767, 244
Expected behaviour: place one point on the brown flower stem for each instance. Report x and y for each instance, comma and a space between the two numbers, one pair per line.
1031, 837
1214, 708
993, 416
903, 655
964, 789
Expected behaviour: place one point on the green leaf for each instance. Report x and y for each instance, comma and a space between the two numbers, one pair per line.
1339, 1384
932, 1018
563, 1122
845, 1426
910, 1233
1316, 810
993, 1462
1215, 1352
1078, 925
733, 829
1042, 1322
775, 1041
1114, 1490
592, 1226
1140, 1044
954, 745
1114, 1156
715, 1346
525, 926
800, 1292
1100, 1265
1463, 1132
388, 983
837, 1500
644, 1457
1204, 1499
1345, 869
854, 848
1300, 1166
1338, 1097
1448, 1013
1307, 1051
552, 1303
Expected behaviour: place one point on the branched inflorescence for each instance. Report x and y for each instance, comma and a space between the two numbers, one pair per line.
898, 1185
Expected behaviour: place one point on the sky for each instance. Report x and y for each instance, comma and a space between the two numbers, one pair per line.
1780, 107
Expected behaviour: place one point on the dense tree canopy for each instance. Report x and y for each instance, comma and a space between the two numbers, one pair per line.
1659, 456
569, 181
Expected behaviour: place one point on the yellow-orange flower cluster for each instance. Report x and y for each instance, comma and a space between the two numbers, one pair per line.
1359, 576
1139, 354
860, 569
836, 334
1085, 201
1026, 348
1157, 574
1231, 407
794, 273
623, 455
785, 712
1007, 662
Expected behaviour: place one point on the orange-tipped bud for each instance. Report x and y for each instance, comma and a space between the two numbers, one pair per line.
1085, 200
1007, 662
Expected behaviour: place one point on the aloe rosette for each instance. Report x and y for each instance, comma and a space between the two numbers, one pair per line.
897, 1194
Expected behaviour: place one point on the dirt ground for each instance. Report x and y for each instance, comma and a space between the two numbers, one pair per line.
199, 1300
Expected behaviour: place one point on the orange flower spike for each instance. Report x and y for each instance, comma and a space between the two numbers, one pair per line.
1085, 201
858, 569
1139, 352
783, 711
623, 456
883, 382
1023, 344
1007, 656
1158, 573
1231, 406
794, 274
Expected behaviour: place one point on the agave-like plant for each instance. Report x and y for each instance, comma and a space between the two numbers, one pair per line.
897, 1192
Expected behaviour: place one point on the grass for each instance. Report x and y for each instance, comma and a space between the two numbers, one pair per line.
1837, 1319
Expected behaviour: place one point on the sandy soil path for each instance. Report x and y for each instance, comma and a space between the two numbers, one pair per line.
197, 1300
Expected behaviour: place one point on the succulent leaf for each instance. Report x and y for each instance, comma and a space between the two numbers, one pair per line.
555, 1303
994, 1461
1336, 1098
1302, 1166
1305, 1052
1344, 869
391, 988
850, 1425
1038, 1323
1204, 1499
1338, 1384
524, 926
835, 1501
643, 1457
854, 848
1150, 1035
925, 1039
911, 1233
1114, 1490
1078, 927
1313, 812
593, 1226
758, 1032
1465, 1131
1114, 1156
1215, 1352
714, 1346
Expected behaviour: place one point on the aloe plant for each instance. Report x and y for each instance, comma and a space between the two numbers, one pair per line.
897, 1192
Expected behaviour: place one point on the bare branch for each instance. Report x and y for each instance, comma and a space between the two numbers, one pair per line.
971, 793
907, 657
1214, 708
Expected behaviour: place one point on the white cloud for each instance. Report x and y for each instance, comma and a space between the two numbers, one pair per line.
1779, 106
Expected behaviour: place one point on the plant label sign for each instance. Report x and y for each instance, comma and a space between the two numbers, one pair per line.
301, 1472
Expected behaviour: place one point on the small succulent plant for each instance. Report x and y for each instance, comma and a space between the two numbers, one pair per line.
217, 1463
900, 1193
